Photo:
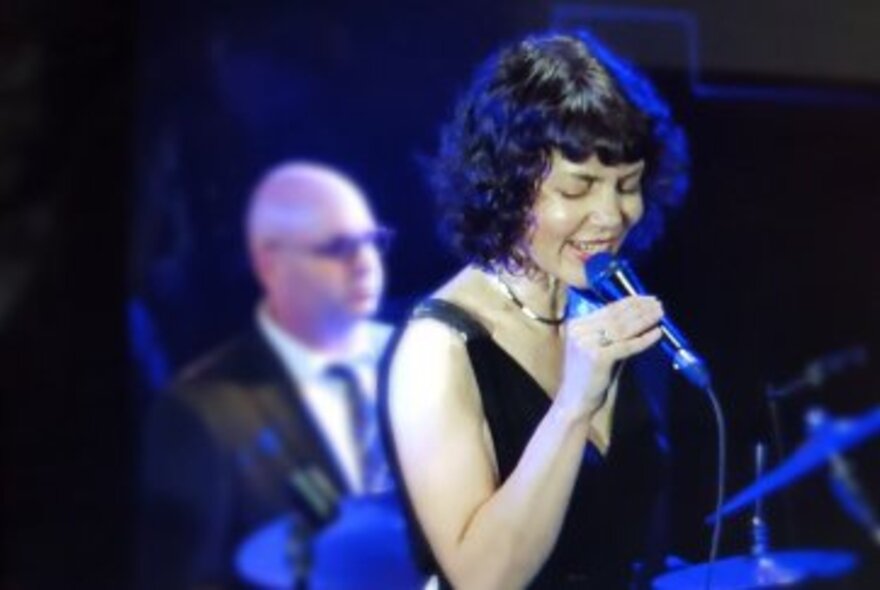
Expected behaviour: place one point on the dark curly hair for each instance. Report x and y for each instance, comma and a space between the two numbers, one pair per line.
551, 92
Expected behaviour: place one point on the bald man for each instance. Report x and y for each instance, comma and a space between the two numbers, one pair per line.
266, 423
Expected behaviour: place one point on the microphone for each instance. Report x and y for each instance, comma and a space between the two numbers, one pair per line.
612, 279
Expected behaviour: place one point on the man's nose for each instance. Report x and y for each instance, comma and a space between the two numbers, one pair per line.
365, 258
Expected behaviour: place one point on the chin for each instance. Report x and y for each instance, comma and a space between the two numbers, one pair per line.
364, 308
573, 275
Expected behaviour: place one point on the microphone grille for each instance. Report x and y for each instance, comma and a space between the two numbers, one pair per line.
598, 266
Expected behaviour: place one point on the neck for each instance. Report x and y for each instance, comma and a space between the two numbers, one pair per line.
538, 291
332, 338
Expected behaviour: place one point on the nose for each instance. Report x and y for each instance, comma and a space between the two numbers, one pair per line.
366, 267
366, 259
607, 211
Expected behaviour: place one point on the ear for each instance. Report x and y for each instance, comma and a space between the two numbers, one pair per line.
262, 264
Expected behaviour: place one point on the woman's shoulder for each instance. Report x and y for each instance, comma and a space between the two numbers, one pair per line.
453, 316
430, 373
433, 348
460, 304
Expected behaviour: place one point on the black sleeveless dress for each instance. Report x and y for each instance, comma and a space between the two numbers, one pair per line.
613, 536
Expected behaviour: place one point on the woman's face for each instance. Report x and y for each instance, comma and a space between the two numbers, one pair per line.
582, 208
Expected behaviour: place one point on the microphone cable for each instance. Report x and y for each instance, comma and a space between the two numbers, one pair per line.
721, 446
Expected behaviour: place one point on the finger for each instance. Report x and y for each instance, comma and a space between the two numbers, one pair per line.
635, 322
635, 345
624, 321
627, 304
608, 313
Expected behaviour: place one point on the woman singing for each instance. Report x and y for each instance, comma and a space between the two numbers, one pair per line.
523, 420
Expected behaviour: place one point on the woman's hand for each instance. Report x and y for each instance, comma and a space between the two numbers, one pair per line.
593, 343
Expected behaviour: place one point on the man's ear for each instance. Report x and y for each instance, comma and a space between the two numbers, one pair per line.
262, 263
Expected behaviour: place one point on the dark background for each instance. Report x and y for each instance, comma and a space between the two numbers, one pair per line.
130, 136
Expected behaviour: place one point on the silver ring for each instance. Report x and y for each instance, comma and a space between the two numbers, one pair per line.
604, 340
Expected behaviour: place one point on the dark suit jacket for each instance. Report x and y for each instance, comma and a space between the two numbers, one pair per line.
219, 450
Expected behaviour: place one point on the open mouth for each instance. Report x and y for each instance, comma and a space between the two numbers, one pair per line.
584, 249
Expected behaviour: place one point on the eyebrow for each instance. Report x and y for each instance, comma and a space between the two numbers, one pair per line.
593, 178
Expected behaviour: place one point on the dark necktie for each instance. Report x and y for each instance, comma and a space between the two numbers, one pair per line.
363, 420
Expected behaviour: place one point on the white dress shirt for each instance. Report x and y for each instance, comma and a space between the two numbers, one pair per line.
323, 396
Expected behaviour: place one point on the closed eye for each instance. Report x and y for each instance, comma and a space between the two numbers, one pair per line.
630, 184
587, 186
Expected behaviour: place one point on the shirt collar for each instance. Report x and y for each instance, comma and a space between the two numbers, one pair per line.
306, 363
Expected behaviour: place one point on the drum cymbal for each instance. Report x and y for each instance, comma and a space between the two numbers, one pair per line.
365, 547
834, 436
263, 559
778, 569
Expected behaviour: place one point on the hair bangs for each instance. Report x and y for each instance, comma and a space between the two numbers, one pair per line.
613, 142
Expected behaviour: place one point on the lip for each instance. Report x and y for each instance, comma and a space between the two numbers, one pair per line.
365, 293
608, 245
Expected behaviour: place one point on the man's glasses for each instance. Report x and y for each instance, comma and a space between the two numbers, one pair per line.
346, 247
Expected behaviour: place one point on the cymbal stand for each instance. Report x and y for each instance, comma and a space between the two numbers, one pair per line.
768, 570
760, 529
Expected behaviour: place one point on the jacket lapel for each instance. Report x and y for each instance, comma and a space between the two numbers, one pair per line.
290, 432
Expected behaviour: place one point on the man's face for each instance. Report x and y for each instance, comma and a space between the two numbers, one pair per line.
324, 265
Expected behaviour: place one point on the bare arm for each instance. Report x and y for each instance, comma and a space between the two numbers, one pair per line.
485, 535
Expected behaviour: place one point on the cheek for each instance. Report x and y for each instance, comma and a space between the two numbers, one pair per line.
633, 209
331, 275
310, 277
552, 224
553, 221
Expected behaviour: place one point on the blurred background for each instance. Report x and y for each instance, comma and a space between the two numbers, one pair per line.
131, 134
